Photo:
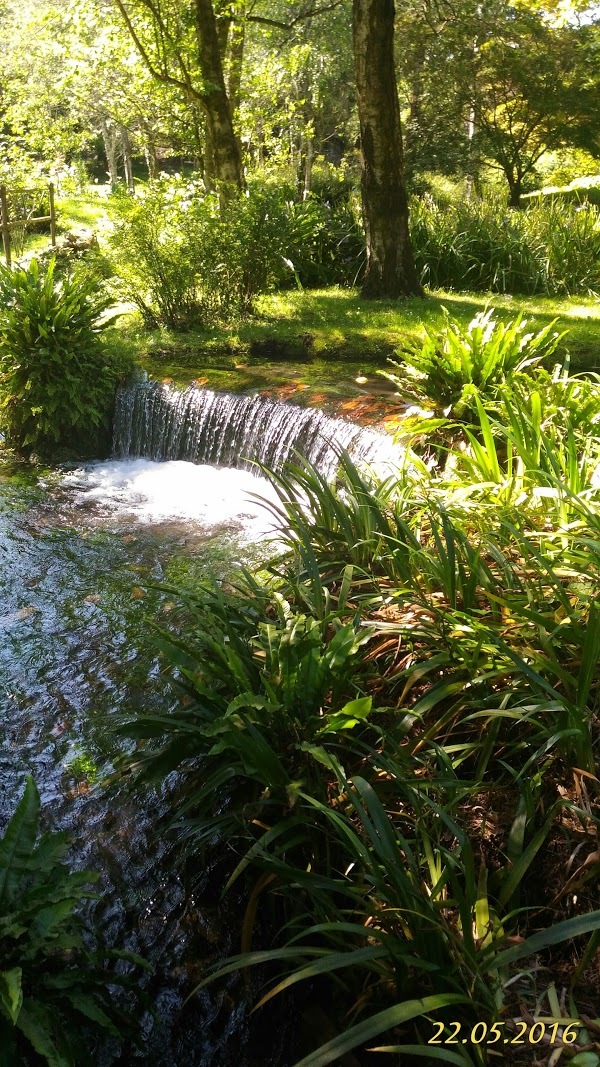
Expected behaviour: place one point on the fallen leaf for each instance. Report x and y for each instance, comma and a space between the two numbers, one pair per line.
138, 593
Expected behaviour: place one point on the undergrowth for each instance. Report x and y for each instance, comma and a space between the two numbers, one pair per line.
389, 738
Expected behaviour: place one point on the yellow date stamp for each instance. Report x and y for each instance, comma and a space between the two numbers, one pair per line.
520, 1033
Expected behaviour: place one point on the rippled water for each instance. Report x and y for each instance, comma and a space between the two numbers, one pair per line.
81, 556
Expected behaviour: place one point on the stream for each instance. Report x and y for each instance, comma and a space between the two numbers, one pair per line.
86, 554
83, 553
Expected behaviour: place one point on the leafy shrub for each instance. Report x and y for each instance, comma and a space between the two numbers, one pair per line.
330, 184
325, 244
57, 380
156, 255
185, 262
259, 677
53, 989
365, 821
455, 365
242, 251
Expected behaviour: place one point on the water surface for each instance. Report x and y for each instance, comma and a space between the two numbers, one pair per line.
83, 554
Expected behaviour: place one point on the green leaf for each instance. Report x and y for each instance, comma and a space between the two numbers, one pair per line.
365, 1031
18, 842
429, 1052
11, 993
37, 1023
563, 931
351, 714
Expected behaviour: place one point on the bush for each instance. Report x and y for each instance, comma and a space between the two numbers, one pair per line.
53, 989
184, 262
156, 255
455, 366
385, 727
57, 380
243, 251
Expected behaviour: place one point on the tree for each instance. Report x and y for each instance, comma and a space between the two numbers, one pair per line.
531, 92
180, 45
518, 79
390, 271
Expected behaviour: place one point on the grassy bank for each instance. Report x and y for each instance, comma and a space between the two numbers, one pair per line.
316, 343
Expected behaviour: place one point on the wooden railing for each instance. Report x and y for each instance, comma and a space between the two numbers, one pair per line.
7, 225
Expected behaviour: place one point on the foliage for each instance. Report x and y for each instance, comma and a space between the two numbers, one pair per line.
156, 256
456, 365
54, 989
550, 248
185, 262
361, 794
57, 380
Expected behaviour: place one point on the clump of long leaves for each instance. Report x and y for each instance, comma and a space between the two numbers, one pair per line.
57, 380
455, 365
396, 730
550, 248
54, 989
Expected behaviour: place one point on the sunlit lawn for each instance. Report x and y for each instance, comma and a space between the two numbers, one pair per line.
325, 337
332, 330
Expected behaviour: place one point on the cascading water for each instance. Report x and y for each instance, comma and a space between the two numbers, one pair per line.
163, 423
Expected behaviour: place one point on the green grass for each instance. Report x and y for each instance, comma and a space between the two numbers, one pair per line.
324, 338
580, 189
74, 211
88, 212
319, 338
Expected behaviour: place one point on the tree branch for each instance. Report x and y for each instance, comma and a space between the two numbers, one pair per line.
161, 76
311, 12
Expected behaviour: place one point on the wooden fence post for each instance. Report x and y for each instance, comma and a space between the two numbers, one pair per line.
52, 214
5, 226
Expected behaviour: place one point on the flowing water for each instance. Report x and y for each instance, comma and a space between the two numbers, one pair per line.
165, 423
82, 555
85, 554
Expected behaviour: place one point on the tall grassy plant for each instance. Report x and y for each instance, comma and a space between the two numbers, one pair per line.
57, 378
551, 248
455, 365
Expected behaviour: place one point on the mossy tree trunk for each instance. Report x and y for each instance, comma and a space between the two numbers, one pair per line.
391, 271
221, 134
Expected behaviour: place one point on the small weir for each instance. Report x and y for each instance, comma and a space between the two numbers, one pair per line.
224, 430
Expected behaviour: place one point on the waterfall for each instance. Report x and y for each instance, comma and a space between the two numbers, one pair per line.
160, 422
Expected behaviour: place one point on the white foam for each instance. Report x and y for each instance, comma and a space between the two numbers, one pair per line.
153, 492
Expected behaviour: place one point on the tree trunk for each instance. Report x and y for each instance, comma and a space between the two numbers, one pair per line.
515, 187
390, 271
127, 159
151, 155
226, 152
109, 138
210, 170
237, 43
309, 159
